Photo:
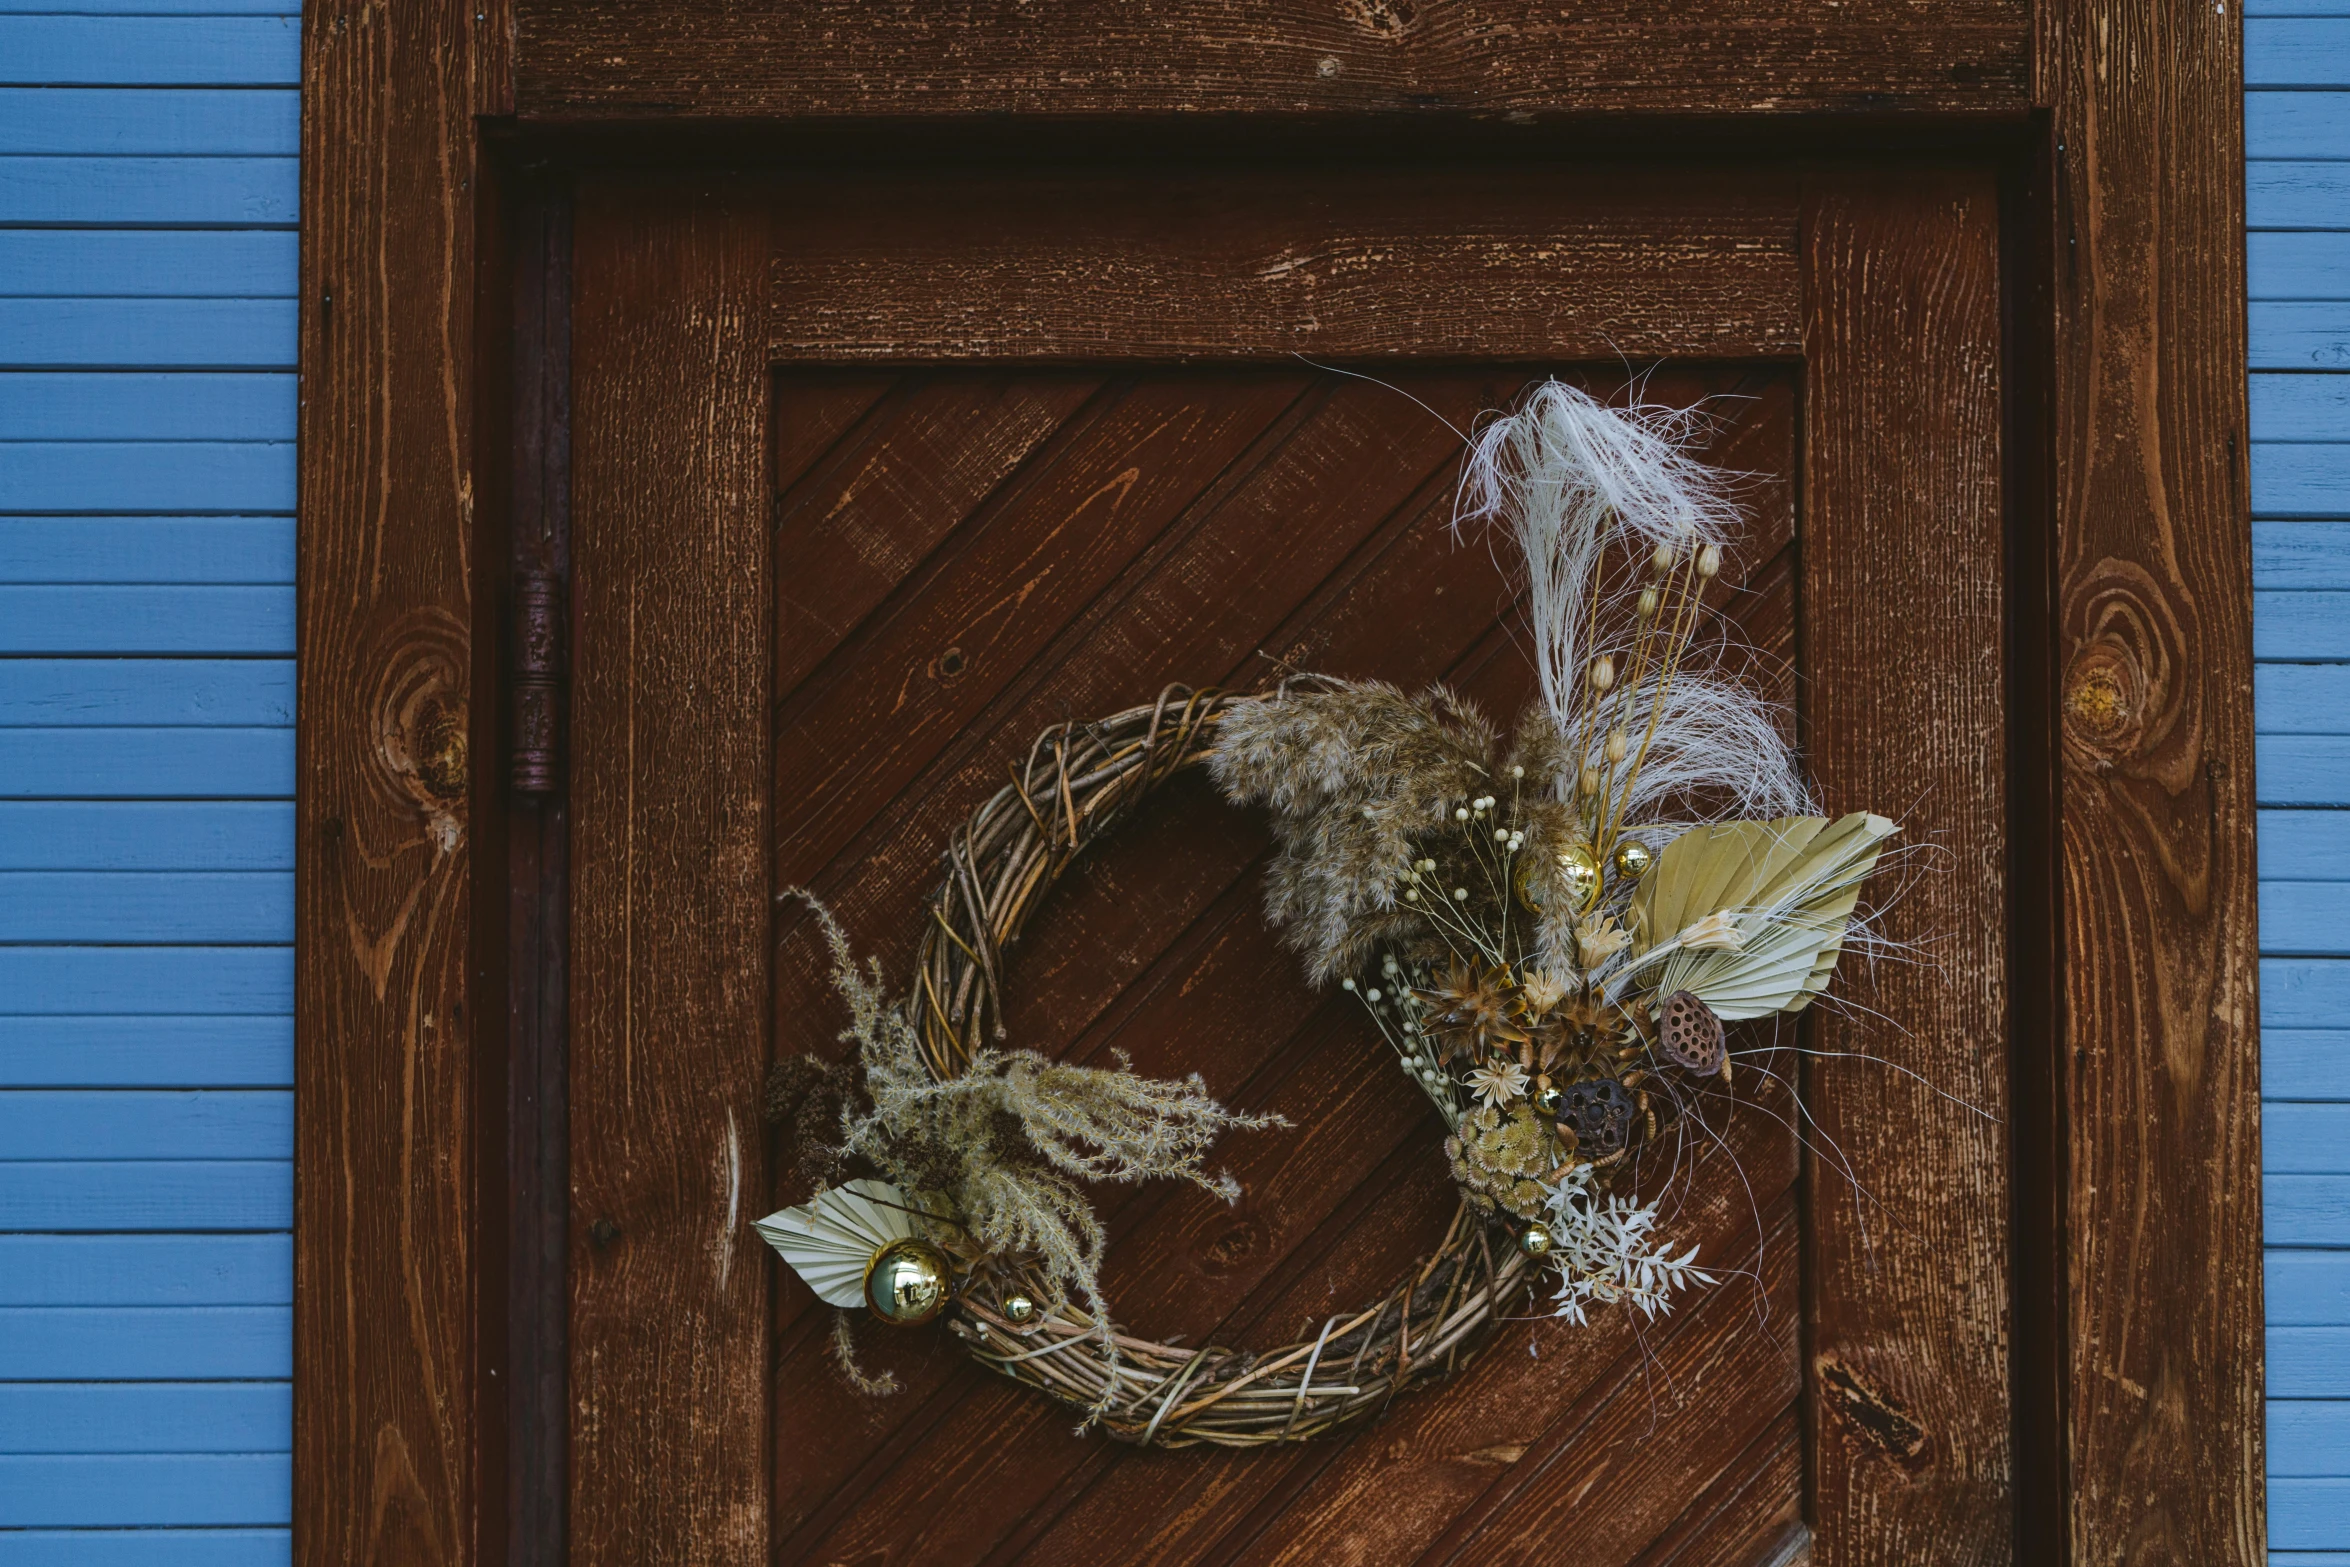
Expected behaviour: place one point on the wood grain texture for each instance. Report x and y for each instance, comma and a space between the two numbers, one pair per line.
2158, 1070
1155, 524
1144, 265
387, 1411
1291, 59
670, 892
1752, 1516
971, 1458
963, 1465
1903, 600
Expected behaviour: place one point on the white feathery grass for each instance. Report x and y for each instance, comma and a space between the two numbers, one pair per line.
1718, 755
1567, 476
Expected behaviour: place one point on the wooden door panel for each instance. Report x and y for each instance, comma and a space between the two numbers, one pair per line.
670, 881
1352, 483
947, 556
873, 472
1905, 599
1551, 262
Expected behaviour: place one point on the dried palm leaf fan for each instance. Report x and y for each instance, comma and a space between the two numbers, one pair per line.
1549, 931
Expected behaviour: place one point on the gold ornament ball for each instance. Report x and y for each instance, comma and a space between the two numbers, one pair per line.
1548, 1098
906, 1283
1018, 1309
1578, 874
1535, 1241
1633, 858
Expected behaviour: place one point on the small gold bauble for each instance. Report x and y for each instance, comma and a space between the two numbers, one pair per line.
906, 1282
1578, 875
1572, 875
1534, 1241
1632, 859
1018, 1309
1547, 1099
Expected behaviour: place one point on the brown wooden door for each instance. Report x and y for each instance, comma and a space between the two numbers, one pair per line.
875, 475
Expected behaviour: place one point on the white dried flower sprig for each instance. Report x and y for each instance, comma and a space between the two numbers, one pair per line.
1602, 1251
1402, 1018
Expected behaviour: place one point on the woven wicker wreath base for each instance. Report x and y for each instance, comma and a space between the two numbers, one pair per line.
1080, 782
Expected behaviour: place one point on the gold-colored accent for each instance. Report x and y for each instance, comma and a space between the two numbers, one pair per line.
1573, 875
907, 1282
1535, 1241
1632, 859
1578, 875
1018, 1309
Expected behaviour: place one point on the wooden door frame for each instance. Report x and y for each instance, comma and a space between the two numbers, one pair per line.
2139, 1314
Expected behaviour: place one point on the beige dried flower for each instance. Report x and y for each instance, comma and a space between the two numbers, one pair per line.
1717, 931
1598, 938
1541, 992
1500, 1083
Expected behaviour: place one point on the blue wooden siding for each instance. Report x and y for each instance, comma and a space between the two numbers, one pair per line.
147, 267
2297, 132
147, 273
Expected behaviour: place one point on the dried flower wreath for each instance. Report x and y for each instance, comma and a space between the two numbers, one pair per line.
1551, 933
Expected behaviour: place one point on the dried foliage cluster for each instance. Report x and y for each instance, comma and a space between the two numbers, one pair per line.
1550, 928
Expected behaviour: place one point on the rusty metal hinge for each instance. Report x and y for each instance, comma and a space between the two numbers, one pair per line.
538, 683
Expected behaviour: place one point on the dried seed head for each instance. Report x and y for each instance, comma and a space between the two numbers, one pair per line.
1603, 673
1589, 781
1662, 560
1619, 745
1709, 560
1648, 603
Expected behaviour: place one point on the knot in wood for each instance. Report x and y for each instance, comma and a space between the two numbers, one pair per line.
417, 697
2124, 703
1881, 1422
2100, 701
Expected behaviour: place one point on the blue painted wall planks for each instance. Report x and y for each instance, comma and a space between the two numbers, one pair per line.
2297, 133
147, 278
147, 272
